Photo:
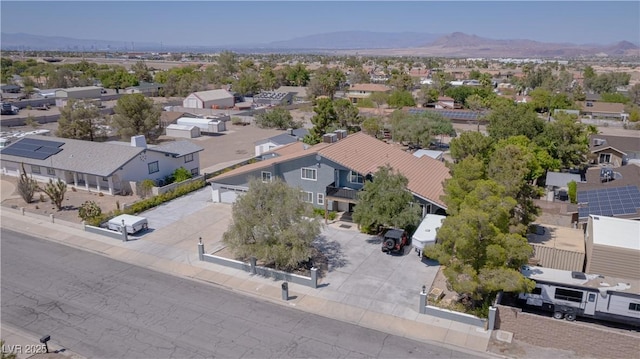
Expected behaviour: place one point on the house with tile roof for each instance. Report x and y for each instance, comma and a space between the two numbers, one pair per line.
330, 174
106, 167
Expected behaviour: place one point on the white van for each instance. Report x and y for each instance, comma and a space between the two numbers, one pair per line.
132, 224
425, 235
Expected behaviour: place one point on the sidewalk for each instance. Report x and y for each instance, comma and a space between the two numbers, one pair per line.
183, 261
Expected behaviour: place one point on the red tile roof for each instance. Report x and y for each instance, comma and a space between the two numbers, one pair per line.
364, 154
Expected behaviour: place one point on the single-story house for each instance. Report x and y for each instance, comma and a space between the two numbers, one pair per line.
357, 92
613, 247
212, 99
614, 151
102, 167
271, 143
272, 98
602, 110
299, 92
10, 88
331, 173
145, 88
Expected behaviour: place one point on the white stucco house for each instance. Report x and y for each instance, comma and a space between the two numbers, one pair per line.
94, 166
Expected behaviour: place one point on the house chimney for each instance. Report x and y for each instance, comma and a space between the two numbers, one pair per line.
329, 138
138, 141
340, 134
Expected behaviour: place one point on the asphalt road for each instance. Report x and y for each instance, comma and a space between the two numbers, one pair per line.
102, 308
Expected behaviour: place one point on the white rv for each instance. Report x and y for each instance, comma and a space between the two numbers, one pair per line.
570, 294
132, 224
425, 235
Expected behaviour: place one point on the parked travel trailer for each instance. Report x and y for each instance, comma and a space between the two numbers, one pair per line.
575, 294
425, 235
132, 224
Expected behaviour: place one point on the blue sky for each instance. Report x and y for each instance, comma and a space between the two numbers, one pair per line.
212, 23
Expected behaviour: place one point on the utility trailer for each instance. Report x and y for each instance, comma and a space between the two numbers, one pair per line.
570, 294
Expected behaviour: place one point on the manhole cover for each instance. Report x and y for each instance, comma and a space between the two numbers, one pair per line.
345, 226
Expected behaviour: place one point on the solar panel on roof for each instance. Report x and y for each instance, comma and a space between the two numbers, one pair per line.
33, 148
609, 201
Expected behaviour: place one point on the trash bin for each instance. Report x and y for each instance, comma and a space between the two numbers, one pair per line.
285, 291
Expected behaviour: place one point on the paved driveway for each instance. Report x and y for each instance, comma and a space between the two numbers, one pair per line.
359, 274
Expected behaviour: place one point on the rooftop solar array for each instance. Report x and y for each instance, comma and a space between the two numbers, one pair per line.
450, 114
33, 148
271, 95
609, 201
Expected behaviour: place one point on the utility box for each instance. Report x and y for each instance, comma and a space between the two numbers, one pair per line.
131, 224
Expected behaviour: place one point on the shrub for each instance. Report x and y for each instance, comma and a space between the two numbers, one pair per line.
573, 190
89, 210
182, 174
320, 213
145, 187
236, 121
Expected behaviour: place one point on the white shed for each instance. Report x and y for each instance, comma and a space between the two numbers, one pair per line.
183, 131
204, 124
209, 99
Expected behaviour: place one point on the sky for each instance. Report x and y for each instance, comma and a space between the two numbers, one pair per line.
217, 23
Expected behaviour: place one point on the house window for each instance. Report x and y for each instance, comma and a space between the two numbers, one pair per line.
194, 171
309, 174
568, 295
605, 158
355, 177
51, 171
188, 158
320, 198
35, 169
306, 196
634, 306
266, 176
153, 167
589, 104
105, 179
537, 290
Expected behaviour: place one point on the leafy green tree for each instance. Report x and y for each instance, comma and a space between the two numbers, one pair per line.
81, 120
510, 119
401, 82
248, 83
379, 98
27, 186
118, 78
480, 255
422, 128
137, 115
141, 72
267, 79
476, 104
464, 177
359, 76
372, 126
273, 224
323, 121
400, 99
56, 191
566, 140
634, 93
347, 115
470, 144
385, 201
298, 75
325, 82
89, 210
278, 117
227, 63
615, 97
427, 95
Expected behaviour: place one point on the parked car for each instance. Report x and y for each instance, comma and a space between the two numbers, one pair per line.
9, 109
394, 240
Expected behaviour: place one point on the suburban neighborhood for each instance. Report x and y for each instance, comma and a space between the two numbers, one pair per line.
237, 203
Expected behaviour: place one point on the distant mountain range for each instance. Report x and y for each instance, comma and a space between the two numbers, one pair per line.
363, 42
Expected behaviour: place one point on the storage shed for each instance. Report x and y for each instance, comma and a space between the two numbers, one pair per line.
613, 247
205, 125
80, 92
183, 131
212, 99
557, 247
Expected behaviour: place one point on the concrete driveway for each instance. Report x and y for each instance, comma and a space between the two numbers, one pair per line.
359, 273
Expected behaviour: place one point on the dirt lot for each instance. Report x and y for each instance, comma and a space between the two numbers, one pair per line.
42, 205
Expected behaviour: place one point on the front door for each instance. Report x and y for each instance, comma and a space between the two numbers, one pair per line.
590, 305
351, 207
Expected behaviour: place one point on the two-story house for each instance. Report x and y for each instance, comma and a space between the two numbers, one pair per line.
93, 166
357, 92
614, 151
331, 173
